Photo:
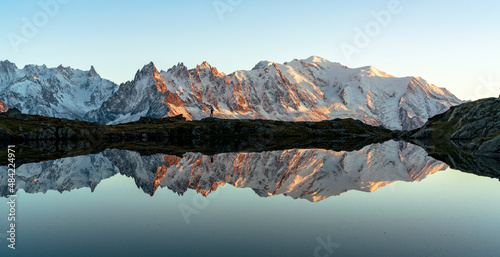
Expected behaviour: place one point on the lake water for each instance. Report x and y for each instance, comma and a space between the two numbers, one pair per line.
388, 199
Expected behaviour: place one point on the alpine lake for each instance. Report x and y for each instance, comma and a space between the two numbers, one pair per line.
384, 199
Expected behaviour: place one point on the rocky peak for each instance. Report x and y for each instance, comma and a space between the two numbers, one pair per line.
179, 70
149, 70
62, 68
92, 72
65, 71
35, 70
262, 65
179, 66
6, 66
7, 72
204, 65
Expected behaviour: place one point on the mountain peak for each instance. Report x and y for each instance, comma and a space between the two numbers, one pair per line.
61, 68
64, 71
204, 65
177, 68
150, 65
35, 70
315, 59
7, 66
92, 72
262, 65
148, 70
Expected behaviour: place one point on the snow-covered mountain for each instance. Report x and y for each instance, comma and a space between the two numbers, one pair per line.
57, 92
146, 95
312, 174
302, 90
313, 89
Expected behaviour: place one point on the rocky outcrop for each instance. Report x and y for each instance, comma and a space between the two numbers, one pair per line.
475, 126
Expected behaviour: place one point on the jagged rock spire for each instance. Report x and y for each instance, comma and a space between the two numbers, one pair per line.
92, 71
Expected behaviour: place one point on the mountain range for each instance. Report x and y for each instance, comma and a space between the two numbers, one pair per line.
311, 89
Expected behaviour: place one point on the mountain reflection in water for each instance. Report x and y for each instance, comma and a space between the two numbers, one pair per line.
312, 174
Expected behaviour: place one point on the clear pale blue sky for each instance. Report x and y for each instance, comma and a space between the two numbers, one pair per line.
452, 44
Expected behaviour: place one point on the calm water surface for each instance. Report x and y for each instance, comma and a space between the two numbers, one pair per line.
388, 199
